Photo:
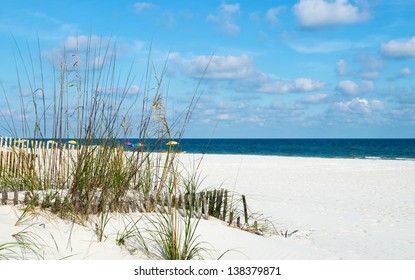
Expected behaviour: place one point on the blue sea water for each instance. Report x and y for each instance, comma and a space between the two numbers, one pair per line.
399, 149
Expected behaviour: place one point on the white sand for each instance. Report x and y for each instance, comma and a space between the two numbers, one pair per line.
343, 209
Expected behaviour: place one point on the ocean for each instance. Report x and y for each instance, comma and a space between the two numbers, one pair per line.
398, 149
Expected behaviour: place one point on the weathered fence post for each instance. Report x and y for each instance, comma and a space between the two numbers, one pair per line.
205, 210
225, 205
16, 197
245, 209
4, 197
212, 198
219, 196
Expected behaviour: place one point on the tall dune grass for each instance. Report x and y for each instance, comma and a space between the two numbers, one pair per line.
86, 98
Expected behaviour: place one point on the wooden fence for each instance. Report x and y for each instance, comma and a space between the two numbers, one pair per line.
205, 204
16, 154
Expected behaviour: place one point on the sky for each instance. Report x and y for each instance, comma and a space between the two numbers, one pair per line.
264, 69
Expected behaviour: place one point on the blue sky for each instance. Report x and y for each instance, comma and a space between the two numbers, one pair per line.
277, 69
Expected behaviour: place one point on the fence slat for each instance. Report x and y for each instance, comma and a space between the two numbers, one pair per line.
4, 197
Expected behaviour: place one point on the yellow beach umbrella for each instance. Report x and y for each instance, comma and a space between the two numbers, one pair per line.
73, 142
171, 143
53, 142
23, 142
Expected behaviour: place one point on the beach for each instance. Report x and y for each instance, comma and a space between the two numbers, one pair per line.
355, 209
349, 208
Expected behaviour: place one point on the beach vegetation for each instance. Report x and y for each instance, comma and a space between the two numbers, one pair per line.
86, 98
8, 250
74, 161
167, 236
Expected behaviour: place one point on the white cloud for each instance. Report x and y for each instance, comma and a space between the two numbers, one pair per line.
406, 71
321, 13
399, 48
7, 112
377, 105
138, 45
224, 19
134, 89
351, 88
81, 41
224, 117
272, 14
348, 87
221, 67
369, 62
139, 7
369, 75
230, 8
297, 85
325, 47
341, 67
315, 98
243, 69
360, 106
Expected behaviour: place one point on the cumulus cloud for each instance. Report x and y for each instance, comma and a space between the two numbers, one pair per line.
399, 48
272, 14
221, 67
403, 73
243, 69
297, 85
230, 8
348, 87
314, 99
224, 19
406, 71
81, 43
360, 106
139, 7
321, 13
341, 67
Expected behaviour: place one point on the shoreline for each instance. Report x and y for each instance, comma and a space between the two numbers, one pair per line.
296, 156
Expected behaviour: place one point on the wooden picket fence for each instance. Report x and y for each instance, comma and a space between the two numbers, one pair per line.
22, 158
205, 204
17, 154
